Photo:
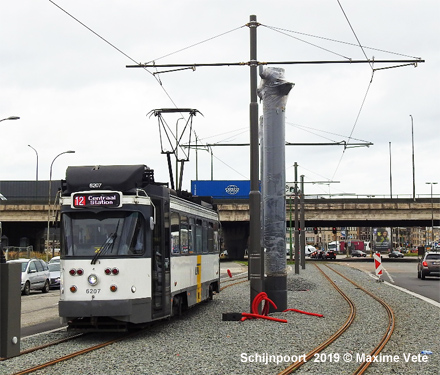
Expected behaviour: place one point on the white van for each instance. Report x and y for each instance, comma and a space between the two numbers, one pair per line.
309, 249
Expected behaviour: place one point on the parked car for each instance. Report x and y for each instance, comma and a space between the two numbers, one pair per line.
309, 249
224, 254
317, 254
34, 275
429, 265
54, 270
55, 260
395, 254
329, 254
358, 253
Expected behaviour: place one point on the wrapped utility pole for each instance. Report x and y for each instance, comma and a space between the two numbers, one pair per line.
273, 91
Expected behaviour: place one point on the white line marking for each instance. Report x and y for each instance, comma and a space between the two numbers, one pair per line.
389, 276
423, 298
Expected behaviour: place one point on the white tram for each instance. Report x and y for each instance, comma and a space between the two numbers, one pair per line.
132, 250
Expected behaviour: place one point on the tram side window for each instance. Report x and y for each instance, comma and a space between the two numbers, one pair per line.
205, 237
184, 235
199, 236
191, 236
175, 233
210, 237
216, 239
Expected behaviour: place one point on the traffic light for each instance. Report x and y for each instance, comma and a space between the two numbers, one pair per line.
315, 230
334, 230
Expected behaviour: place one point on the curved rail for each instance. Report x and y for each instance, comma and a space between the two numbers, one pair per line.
389, 331
294, 366
391, 322
234, 282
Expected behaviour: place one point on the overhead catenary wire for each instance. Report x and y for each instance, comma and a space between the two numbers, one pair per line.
192, 66
196, 44
114, 47
309, 129
282, 31
366, 93
278, 29
354, 33
154, 74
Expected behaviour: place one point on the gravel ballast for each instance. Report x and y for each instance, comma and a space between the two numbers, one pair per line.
201, 343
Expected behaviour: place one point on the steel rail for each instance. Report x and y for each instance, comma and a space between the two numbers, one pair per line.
295, 365
235, 283
49, 344
87, 350
75, 354
363, 367
90, 349
389, 331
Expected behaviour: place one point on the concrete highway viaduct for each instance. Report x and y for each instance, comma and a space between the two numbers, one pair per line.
25, 222
342, 212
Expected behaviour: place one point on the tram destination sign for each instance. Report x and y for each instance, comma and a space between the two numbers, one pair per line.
96, 199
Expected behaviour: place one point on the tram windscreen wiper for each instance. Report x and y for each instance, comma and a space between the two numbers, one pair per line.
107, 245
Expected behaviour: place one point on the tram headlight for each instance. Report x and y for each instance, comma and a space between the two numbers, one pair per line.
92, 279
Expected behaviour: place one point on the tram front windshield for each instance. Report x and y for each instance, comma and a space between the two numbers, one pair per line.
108, 234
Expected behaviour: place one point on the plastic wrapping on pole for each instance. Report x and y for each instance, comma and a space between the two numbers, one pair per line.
273, 91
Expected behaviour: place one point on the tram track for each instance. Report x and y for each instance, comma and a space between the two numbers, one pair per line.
233, 281
346, 325
74, 354
229, 281
340, 286
47, 345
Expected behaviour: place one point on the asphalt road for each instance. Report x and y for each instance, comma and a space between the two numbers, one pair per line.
39, 312
404, 275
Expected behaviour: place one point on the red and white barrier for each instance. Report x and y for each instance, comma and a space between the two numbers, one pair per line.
378, 264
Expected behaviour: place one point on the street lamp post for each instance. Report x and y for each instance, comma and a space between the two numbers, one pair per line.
391, 175
36, 173
432, 213
412, 155
50, 192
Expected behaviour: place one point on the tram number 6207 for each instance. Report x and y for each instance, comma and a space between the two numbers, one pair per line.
92, 291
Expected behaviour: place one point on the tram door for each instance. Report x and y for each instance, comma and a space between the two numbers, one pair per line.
161, 261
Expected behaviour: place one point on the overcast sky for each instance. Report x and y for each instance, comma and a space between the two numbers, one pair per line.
72, 90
